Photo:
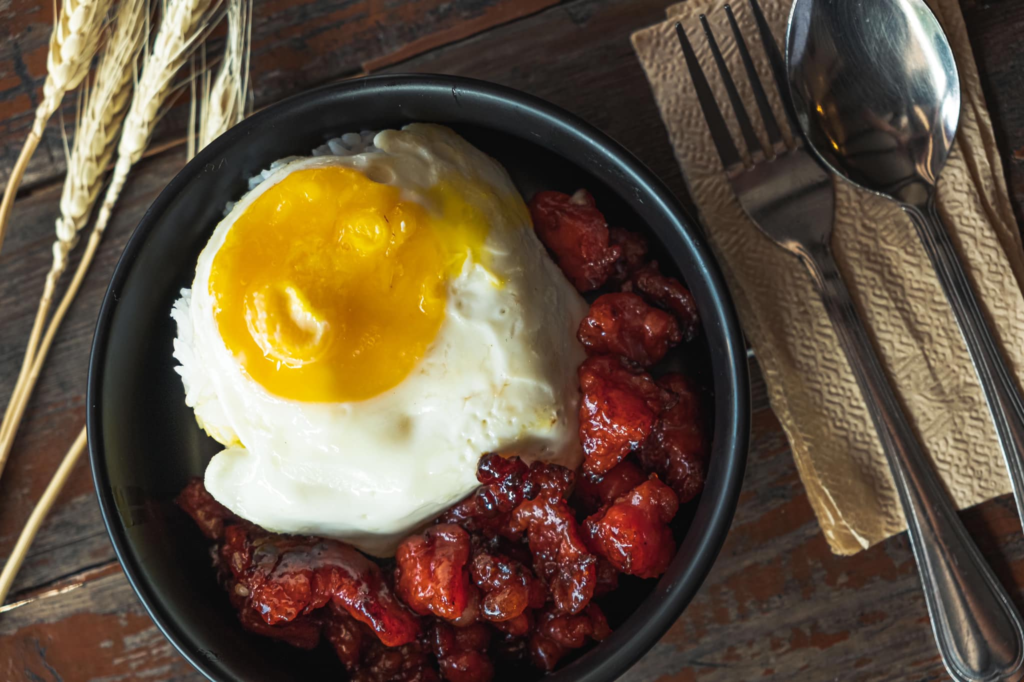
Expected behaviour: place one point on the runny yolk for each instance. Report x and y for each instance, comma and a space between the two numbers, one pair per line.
330, 286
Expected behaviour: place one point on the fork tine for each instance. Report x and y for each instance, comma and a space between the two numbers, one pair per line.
753, 144
712, 114
777, 63
767, 115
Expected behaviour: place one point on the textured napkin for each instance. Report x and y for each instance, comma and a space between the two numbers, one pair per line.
811, 387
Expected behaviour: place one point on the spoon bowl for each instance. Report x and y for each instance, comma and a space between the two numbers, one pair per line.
876, 91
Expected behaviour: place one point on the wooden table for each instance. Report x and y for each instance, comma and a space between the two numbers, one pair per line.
777, 605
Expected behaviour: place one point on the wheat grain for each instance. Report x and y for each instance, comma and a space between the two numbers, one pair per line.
224, 99
73, 43
99, 121
191, 138
105, 107
185, 23
183, 26
75, 39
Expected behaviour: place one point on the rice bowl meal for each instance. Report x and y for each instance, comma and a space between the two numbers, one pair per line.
437, 454
383, 346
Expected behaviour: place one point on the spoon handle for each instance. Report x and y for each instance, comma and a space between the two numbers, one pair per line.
978, 631
1001, 393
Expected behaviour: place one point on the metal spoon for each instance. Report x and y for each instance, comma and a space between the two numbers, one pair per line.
875, 89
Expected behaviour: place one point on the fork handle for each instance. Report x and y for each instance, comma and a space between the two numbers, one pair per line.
978, 631
1001, 394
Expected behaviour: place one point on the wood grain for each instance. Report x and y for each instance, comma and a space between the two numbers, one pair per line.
578, 56
295, 45
777, 604
95, 631
995, 29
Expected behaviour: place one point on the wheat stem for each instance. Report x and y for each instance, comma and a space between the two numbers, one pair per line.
95, 140
14, 180
35, 520
184, 24
224, 99
7, 439
73, 42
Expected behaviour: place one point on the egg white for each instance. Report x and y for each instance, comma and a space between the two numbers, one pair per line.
500, 376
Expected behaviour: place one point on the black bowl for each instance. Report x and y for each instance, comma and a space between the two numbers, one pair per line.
144, 442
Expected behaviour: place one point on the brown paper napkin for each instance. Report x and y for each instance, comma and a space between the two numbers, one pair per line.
811, 387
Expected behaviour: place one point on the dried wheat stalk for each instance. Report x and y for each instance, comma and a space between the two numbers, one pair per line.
183, 26
96, 137
35, 520
73, 43
224, 99
98, 124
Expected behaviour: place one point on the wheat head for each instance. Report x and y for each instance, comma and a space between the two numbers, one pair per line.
73, 43
106, 104
224, 99
183, 26
98, 122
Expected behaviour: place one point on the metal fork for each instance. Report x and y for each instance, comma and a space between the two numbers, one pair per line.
791, 198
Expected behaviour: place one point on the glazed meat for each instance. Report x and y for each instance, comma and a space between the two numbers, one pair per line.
633, 256
462, 652
592, 493
209, 514
509, 587
411, 662
577, 235
505, 483
632, 533
302, 633
431, 574
559, 555
624, 324
557, 633
286, 577
677, 447
347, 636
668, 293
620, 406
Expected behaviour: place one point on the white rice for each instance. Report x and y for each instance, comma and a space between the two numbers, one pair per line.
348, 144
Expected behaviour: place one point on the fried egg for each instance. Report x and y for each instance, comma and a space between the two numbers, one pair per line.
363, 327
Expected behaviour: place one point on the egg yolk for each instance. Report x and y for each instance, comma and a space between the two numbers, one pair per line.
330, 287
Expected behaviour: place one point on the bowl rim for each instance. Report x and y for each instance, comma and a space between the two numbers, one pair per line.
666, 604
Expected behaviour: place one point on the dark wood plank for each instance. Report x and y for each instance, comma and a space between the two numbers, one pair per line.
295, 45
578, 56
995, 29
95, 629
